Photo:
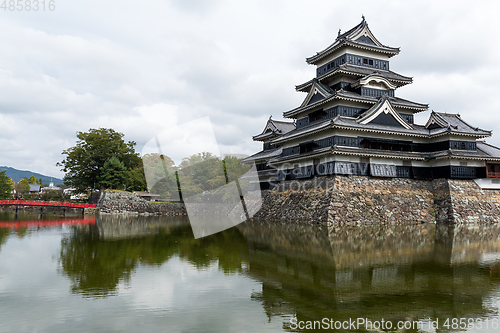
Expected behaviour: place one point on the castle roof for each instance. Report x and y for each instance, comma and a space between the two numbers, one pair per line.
390, 154
383, 107
274, 128
488, 149
262, 155
360, 71
353, 97
359, 37
356, 124
454, 122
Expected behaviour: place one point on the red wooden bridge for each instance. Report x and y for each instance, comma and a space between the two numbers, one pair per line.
45, 204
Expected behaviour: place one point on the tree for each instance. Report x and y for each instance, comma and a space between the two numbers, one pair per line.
135, 180
204, 172
6, 186
160, 175
84, 162
32, 180
22, 187
113, 174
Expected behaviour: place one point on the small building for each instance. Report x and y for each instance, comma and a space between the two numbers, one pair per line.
352, 123
148, 196
34, 189
51, 187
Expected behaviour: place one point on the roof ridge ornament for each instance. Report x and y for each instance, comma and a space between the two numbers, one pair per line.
363, 17
338, 33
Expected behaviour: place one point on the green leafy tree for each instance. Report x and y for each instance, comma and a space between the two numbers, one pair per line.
135, 180
84, 162
204, 172
32, 180
22, 187
201, 172
160, 171
113, 174
53, 195
6, 186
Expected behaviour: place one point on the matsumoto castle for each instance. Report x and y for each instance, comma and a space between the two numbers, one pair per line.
352, 123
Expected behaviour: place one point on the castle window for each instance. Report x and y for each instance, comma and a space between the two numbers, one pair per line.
370, 62
365, 61
316, 116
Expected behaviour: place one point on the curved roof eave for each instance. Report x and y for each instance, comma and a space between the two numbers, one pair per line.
389, 51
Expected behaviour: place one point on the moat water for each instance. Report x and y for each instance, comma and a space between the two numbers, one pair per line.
112, 274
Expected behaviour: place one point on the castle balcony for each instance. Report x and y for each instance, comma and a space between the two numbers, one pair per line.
490, 174
492, 170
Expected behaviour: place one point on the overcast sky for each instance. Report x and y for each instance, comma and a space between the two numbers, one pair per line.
141, 67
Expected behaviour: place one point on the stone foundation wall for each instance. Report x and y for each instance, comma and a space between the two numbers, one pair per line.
471, 204
370, 200
119, 202
358, 199
349, 199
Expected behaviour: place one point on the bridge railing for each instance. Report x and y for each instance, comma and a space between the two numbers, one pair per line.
46, 203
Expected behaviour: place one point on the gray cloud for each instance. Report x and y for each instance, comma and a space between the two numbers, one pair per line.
97, 64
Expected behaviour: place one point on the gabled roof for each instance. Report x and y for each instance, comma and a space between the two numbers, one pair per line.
360, 71
488, 149
377, 78
262, 155
383, 106
453, 123
361, 37
34, 188
274, 128
355, 97
317, 93
353, 124
405, 155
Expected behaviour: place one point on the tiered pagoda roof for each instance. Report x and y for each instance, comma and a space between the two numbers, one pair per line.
455, 126
359, 37
395, 78
351, 110
328, 95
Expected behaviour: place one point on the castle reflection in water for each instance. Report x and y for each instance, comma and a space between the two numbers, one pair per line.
395, 272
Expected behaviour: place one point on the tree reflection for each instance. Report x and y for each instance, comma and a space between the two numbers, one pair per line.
96, 265
4, 235
228, 248
307, 271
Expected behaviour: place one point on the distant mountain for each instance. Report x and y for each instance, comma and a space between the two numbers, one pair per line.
17, 175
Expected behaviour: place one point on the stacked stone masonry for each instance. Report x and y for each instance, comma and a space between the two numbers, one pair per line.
119, 202
358, 199
350, 199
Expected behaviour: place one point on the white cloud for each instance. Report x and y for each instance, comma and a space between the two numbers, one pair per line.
117, 64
